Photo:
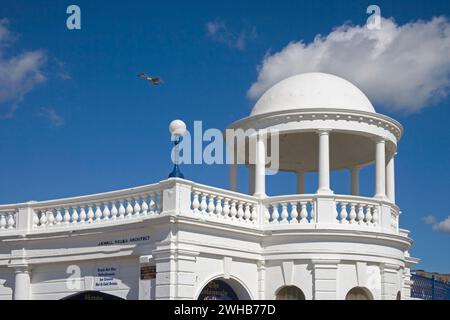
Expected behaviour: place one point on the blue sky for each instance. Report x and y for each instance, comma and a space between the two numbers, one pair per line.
85, 123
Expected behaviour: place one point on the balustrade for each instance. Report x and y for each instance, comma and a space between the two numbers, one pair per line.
137, 205
222, 204
290, 212
7, 220
357, 213
203, 202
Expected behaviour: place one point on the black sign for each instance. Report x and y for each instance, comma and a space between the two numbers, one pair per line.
148, 272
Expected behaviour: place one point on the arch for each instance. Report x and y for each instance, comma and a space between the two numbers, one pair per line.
289, 293
359, 293
92, 295
228, 289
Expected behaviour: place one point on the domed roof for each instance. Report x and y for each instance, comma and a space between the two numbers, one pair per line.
312, 90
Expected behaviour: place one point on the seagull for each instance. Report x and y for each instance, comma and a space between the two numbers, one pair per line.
152, 80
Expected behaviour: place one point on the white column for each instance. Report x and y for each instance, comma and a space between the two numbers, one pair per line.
390, 180
148, 284
233, 177
324, 163
260, 167
354, 181
300, 182
380, 169
251, 179
22, 283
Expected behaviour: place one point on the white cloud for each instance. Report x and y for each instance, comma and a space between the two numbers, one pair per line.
219, 32
55, 119
429, 220
440, 226
402, 68
19, 73
61, 69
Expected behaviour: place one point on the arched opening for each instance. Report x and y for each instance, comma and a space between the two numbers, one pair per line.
223, 289
359, 293
92, 295
290, 293
399, 296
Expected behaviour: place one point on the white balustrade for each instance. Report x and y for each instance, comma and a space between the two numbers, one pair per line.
356, 211
302, 210
203, 202
78, 212
223, 204
290, 210
7, 220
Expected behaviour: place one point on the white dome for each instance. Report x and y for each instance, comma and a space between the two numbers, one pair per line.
312, 90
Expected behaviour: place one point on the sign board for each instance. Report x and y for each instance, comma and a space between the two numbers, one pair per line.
217, 290
148, 272
105, 277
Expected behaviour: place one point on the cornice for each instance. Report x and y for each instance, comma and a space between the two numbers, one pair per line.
264, 120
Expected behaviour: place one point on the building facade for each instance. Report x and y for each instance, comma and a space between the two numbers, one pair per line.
177, 239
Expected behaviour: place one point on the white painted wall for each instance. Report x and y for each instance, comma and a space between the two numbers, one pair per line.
51, 281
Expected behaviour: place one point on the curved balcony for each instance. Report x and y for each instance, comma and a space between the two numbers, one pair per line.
205, 204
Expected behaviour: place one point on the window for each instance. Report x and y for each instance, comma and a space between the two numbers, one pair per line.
358, 293
290, 293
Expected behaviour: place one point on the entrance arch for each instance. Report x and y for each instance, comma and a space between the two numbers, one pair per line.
289, 293
223, 289
359, 293
92, 295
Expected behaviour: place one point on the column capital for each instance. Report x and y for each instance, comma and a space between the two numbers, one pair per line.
20, 268
379, 139
324, 131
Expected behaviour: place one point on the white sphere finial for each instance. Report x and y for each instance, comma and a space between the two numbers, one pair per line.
177, 127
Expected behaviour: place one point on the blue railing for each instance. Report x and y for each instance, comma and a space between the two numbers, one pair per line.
429, 288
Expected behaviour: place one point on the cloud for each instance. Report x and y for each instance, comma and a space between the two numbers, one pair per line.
403, 68
429, 220
219, 32
61, 70
55, 119
443, 226
19, 73
440, 226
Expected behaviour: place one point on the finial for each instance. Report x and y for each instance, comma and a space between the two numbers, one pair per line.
177, 128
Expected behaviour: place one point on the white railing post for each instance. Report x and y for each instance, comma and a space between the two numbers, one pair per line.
385, 217
176, 196
24, 217
326, 210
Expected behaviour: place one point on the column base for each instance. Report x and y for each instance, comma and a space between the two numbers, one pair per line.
381, 197
260, 195
324, 191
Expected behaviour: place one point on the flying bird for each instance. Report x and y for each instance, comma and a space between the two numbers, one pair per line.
152, 80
